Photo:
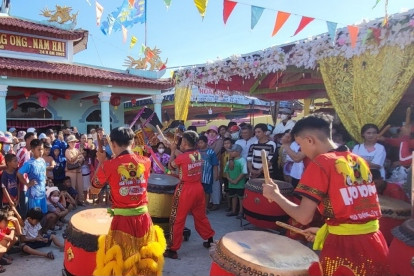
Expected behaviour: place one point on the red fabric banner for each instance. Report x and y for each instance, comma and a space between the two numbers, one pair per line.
303, 22
228, 7
280, 20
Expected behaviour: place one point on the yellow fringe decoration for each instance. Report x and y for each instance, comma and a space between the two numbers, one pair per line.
148, 261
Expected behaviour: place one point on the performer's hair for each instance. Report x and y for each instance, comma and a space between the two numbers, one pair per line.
318, 121
123, 136
191, 137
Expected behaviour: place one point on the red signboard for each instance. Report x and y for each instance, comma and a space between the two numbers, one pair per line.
28, 44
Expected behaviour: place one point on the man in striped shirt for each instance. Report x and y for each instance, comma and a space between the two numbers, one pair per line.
254, 157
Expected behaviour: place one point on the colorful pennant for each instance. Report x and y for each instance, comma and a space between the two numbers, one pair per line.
111, 23
131, 2
167, 3
256, 13
126, 15
99, 12
134, 40
377, 33
228, 7
332, 29
367, 36
303, 22
280, 20
353, 34
201, 6
124, 34
143, 47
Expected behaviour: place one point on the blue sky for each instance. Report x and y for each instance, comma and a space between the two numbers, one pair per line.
185, 39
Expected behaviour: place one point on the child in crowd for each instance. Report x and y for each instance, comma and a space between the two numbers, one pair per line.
237, 179
388, 189
35, 169
32, 237
86, 173
71, 195
56, 210
225, 157
163, 157
60, 165
9, 179
210, 167
50, 162
9, 232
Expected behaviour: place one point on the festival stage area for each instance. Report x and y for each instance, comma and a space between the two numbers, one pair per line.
193, 259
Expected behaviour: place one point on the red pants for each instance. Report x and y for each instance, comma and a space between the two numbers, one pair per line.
188, 197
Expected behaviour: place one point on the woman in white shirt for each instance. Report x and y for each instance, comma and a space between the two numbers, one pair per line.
370, 150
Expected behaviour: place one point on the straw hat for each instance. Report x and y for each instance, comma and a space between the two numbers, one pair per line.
71, 138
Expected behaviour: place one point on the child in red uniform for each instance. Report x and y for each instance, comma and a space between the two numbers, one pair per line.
188, 195
340, 184
393, 190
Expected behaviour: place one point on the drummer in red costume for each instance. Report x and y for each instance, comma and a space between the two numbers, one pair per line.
133, 246
340, 184
189, 194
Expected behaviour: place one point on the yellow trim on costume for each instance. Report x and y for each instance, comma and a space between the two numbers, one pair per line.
345, 229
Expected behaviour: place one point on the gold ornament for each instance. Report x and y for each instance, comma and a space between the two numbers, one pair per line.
151, 56
61, 15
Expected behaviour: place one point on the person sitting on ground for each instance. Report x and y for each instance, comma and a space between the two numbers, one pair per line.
71, 195
56, 210
388, 189
32, 237
9, 232
237, 180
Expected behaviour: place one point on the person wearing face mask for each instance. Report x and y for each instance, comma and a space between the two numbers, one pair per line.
234, 133
163, 157
6, 145
286, 123
56, 211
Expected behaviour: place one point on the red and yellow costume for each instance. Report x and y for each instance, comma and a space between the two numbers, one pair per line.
341, 183
133, 246
188, 197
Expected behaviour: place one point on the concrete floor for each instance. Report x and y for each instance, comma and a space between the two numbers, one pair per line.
193, 259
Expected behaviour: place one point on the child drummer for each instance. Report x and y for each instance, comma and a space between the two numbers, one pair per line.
340, 184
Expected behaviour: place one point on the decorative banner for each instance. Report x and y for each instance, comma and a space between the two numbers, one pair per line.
167, 3
280, 20
353, 34
332, 29
201, 6
126, 15
228, 7
256, 13
99, 11
163, 66
367, 36
303, 22
134, 40
124, 34
143, 47
111, 23
131, 2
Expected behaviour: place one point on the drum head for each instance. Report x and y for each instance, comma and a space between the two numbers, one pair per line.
256, 185
162, 183
245, 251
92, 221
394, 208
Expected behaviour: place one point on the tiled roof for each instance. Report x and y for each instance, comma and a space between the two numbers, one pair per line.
76, 73
13, 24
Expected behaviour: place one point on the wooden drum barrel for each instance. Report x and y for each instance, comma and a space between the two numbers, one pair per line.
401, 254
161, 188
260, 253
394, 213
258, 210
81, 244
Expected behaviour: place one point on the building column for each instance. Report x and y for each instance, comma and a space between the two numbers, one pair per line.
105, 97
157, 100
3, 110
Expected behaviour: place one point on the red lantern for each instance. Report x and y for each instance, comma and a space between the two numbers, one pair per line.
134, 101
15, 104
95, 101
115, 101
26, 95
43, 99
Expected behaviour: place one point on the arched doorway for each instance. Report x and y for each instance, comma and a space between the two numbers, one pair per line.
93, 120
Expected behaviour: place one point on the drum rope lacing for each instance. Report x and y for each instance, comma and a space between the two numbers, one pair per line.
259, 189
230, 262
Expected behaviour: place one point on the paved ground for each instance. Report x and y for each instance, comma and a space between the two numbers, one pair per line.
193, 259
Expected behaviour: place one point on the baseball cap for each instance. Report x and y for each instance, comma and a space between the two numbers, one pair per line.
31, 129
42, 136
236, 147
234, 128
12, 129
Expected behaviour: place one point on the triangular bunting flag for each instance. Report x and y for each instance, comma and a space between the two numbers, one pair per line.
167, 3
143, 47
124, 34
131, 2
99, 11
163, 66
332, 29
280, 20
353, 34
367, 36
256, 13
377, 33
134, 40
303, 22
228, 7
201, 6
376, 3
149, 54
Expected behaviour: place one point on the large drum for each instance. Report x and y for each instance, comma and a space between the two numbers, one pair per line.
258, 210
394, 213
161, 188
260, 253
81, 244
401, 254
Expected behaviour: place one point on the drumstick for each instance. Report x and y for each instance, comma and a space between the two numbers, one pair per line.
292, 228
162, 134
384, 130
6, 194
265, 167
408, 116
